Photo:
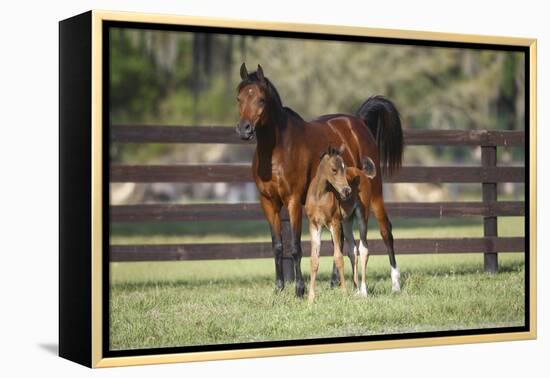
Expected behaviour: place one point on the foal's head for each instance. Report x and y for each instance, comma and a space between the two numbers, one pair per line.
333, 170
255, 95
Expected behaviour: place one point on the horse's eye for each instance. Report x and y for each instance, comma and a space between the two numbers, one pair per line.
334, 170
261, 101
238, 100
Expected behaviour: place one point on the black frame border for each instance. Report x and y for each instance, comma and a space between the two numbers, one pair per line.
106, 25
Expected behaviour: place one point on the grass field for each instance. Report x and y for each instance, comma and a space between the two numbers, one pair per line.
208, 302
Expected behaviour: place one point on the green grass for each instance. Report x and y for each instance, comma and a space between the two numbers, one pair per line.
166, 304
189, 303
257, 231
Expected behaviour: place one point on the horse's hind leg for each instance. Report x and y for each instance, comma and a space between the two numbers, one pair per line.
362, 222
386, 232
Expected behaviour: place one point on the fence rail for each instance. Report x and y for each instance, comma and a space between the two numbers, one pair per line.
227, 135
253, 211
165, 252
232, 173
488, 175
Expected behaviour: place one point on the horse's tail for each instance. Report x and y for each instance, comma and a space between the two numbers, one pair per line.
382, 118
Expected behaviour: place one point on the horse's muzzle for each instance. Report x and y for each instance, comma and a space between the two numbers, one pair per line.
245, 130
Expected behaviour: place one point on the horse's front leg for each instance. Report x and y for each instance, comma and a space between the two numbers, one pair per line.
295, 215
272, 211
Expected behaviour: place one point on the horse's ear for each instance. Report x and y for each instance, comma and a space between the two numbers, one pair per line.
260, 73
244, 72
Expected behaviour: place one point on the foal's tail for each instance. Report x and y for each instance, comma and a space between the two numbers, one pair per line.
382, 118
368, 167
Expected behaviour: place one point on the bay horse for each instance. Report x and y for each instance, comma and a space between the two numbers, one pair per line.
287, 152
338, 194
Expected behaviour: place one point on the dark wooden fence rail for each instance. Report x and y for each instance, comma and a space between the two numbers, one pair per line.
193, 173
253, 211
227, 135
488, 175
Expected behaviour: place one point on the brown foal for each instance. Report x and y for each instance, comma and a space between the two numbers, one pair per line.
335, 194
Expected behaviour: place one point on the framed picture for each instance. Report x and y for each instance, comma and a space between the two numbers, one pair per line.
235, 189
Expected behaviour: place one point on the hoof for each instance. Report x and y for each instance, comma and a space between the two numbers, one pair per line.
279, 286
362, 292
300, 290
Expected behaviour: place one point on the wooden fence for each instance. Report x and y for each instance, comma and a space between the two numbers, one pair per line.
488, 175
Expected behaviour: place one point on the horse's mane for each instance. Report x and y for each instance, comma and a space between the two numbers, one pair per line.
272, 91
292, 112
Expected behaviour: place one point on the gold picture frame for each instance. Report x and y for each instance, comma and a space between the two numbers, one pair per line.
82, 276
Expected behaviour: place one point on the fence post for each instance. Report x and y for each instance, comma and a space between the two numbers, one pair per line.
288, 263
489, 159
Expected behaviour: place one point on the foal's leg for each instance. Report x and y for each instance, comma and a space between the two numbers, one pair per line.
315, 234
336, 230
386, 232
348, 240
272, 213
295, 214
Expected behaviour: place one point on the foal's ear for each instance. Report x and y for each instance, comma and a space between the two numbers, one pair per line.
368, 167
260, 73
328, 152
244, 72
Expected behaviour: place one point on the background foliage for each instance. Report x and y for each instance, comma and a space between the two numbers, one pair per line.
180, 78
